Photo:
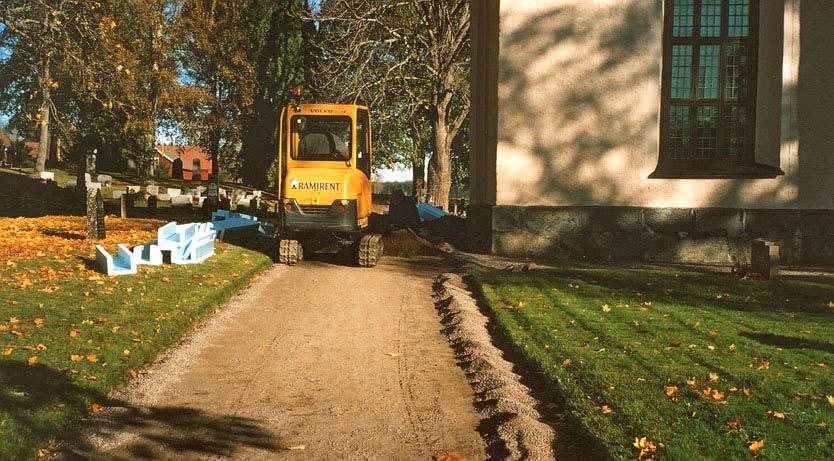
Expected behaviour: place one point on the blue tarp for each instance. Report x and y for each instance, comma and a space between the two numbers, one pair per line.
429, 213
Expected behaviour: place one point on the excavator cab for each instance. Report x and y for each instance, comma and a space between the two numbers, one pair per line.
325, 188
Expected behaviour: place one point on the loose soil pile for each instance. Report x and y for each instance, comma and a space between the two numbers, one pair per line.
405, 243
503, 399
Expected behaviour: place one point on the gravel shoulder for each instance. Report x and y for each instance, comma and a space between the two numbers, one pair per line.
317, 361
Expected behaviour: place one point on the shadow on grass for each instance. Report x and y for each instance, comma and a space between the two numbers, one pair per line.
573, 441
700, 288
41, 404
788, 342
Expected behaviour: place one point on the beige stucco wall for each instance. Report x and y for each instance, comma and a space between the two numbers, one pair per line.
577, 103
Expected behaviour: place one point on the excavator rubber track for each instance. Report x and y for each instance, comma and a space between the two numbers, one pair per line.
370, 250
290, 252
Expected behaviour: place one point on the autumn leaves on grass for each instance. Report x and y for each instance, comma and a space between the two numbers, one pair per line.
657, 363
88, 333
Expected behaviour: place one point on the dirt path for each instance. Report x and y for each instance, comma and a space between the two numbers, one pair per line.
348, 362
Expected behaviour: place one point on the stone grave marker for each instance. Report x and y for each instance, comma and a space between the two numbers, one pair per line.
764, 259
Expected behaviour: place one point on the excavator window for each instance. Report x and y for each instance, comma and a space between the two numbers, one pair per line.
322, 138
363, 135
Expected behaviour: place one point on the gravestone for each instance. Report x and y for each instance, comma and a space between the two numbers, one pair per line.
176, 169
152, 203
152, 190
95, 215
105, 179
764, 259
173, 192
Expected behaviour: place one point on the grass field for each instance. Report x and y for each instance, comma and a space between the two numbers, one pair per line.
679, 365
69, 335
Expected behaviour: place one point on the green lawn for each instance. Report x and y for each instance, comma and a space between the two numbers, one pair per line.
703, 366
69, 335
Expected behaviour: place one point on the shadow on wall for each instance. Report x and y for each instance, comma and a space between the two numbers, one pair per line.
815, 93
570, 74
30, 392
583, 82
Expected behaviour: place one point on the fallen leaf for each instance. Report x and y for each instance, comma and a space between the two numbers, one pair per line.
566, 362
41, 347
670, 390
14, 320
734, 424
713, 377
646, 447
747, 391
133, 374
606, 308
166, 279
32, 361
444, 456
92, 378
38, 322
732, 347
690, 382
92, 358
96, 408
295, 447
115, 328
830, 399
126, 353
606, 410
76, 358
755, 445
42, 452
73, 333
8, 350
392, 354
776, 414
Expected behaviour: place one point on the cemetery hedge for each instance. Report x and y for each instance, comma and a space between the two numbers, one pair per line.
69, 335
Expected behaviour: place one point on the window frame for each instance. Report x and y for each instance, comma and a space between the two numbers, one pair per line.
743, 166
363, 117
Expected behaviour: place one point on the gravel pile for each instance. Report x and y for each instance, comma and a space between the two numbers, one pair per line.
502, 399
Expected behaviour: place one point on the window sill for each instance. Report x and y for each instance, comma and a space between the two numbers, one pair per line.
696, 170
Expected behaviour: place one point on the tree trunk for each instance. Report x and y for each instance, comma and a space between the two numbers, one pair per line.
43, 147
440, 165
418, 171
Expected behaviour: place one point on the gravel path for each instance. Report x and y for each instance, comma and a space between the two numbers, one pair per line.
318, 361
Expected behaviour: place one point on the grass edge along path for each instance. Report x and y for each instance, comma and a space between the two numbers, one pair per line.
67, 344
675, 364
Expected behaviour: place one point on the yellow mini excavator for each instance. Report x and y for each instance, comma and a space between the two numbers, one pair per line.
324, 160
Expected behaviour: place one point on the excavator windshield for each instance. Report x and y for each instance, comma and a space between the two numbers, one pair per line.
321, 137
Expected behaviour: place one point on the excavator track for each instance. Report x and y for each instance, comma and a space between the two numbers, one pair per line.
290, 252
370, 250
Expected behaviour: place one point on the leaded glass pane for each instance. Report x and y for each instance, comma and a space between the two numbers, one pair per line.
679, 132
683, 18
735, 84
738, 20
710, 18
706, 131
733, 123
708, 66
682, 71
